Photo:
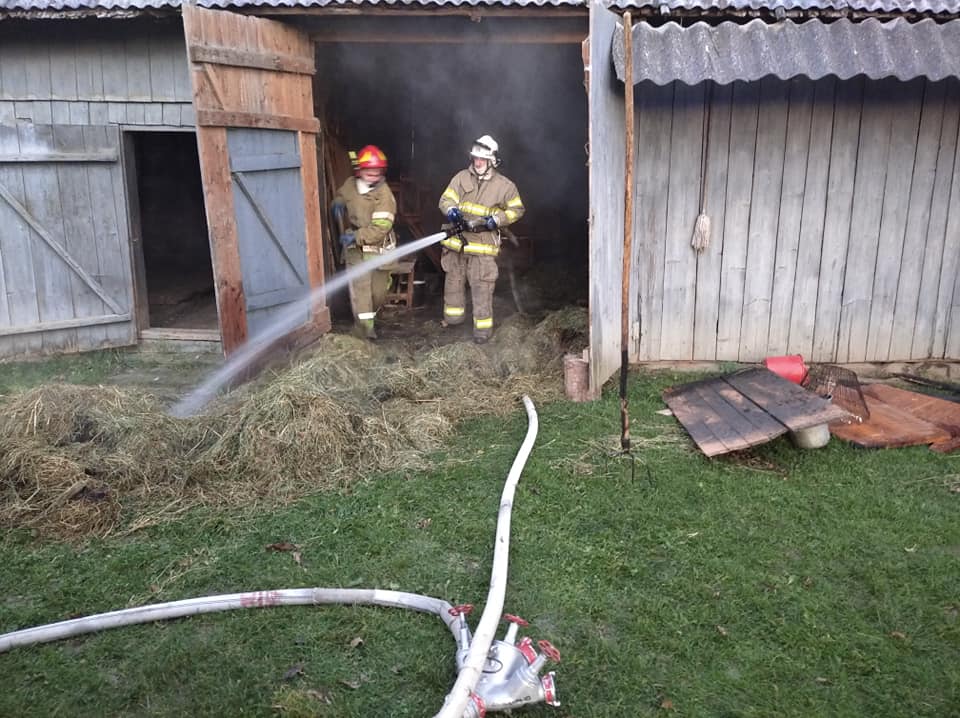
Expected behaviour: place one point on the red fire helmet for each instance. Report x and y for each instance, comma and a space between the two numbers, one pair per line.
371, 157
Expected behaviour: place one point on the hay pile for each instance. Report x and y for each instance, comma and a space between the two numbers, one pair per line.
77, 460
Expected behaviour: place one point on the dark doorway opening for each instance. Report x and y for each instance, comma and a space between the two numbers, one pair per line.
178, 271
425, 115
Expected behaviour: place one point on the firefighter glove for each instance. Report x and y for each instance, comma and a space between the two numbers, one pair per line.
347, 239
490, 222
339, 210
455, 215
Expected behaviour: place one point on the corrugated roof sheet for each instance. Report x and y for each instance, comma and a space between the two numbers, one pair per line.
67, 5
813, 49
938, 7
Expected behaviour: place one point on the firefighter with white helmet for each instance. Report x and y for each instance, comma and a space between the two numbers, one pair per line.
483, 201
365, 208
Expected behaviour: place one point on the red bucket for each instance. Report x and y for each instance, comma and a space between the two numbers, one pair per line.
790, 367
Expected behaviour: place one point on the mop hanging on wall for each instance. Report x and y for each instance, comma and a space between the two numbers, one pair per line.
701, 230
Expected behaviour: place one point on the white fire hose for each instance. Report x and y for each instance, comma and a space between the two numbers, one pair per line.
518, 685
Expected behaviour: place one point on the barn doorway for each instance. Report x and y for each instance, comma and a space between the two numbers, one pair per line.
431, 100
176, 271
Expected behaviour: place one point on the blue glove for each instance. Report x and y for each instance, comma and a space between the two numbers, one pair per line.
339, 210
455, 215
490, 222
347, 239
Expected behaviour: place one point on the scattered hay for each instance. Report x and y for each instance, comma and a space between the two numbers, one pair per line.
72, 456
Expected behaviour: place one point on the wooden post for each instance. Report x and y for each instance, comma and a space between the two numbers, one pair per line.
627, 229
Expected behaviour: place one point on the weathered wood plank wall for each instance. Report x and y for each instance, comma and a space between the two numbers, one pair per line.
115, 73
64, 246
835, 209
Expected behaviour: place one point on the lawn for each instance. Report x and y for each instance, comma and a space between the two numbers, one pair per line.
779, 582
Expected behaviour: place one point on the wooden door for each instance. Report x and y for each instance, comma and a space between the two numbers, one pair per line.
66, 282
256, 134
607, 164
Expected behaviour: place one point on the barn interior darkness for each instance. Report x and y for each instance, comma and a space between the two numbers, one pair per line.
424, 103
176, 251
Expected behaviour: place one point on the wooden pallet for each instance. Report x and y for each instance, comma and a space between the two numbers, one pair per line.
746, 409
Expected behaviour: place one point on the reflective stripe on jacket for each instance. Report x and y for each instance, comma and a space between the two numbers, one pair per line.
478, 198
370, 215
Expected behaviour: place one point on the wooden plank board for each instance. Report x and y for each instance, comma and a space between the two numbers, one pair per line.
897, 194
19, 303
605, 130
680, 261
709, 262
42, 200
720, 418
111, 229
889, 425
792, 200
946, 339
803, 312
872, 164
943, 413
790, 404
909, 278
88, 68
654, 110
764, 213
81, 253
743, 141
937, 263
836, 227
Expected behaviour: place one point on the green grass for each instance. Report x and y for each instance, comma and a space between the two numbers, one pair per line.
782, 583
88, 368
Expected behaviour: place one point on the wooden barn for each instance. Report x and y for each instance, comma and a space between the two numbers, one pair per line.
153, 155
820, 138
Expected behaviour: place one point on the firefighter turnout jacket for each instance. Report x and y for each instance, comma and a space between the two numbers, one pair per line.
370, 215
493, 196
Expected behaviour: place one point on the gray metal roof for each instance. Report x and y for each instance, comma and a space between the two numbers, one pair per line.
936, 7
939, 7
813, 49
69, 5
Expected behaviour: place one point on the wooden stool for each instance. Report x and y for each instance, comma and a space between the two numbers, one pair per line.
401, 290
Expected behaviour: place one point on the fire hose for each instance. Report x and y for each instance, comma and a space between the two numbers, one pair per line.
492, 675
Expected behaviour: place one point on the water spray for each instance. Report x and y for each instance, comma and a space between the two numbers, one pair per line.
287, 320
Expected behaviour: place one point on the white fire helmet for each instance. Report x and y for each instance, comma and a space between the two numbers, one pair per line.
486, 148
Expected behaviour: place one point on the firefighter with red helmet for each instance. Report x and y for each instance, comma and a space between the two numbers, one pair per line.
481, 200
365, 208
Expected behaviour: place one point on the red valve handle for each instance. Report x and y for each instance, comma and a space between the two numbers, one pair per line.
515, 619
463, 609
549, 650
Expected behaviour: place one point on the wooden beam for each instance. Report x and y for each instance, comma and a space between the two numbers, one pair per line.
65, 324
312, 225
224, 249
217, 118
59, 250
566, 37
173, 334
101, 156
258, 60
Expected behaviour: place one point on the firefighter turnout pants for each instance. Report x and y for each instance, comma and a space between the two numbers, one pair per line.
369, 291
481, 273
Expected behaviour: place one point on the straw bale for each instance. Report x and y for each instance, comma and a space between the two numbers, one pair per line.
43, 487
72, 454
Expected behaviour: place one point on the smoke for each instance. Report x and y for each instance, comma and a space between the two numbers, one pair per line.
424, 104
